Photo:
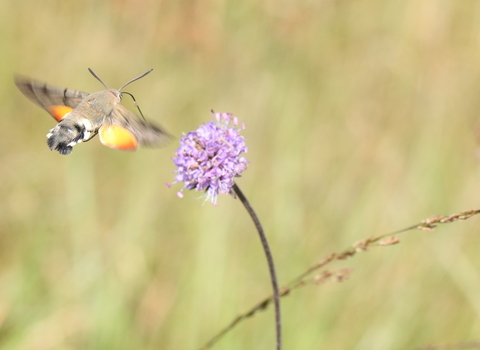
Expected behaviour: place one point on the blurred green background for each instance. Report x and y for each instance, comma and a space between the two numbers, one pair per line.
361, 118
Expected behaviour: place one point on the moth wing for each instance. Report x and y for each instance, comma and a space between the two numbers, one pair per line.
123, 130
56, 101
116, 136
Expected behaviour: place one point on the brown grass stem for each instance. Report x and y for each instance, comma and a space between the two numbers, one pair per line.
301, 280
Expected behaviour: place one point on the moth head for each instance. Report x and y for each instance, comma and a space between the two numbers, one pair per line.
65, 135
117, 94
111, 96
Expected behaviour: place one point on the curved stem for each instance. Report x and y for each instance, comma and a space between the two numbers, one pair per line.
271, 264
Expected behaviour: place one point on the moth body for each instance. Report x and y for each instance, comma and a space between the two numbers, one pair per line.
83, 122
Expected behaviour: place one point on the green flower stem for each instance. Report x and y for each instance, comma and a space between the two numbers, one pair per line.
271, 264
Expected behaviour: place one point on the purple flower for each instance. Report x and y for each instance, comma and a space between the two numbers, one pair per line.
209, 158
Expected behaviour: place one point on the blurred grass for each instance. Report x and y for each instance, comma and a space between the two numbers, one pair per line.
362, 118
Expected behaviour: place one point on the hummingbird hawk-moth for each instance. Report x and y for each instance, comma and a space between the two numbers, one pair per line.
81, 116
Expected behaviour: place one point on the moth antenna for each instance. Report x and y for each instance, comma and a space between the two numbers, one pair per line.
131, 81
96, 76
133, 98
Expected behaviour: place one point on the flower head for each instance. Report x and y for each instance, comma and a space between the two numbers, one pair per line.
208, 158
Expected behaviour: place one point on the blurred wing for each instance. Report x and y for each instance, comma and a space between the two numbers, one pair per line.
123, 130
116, 136
54, 100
